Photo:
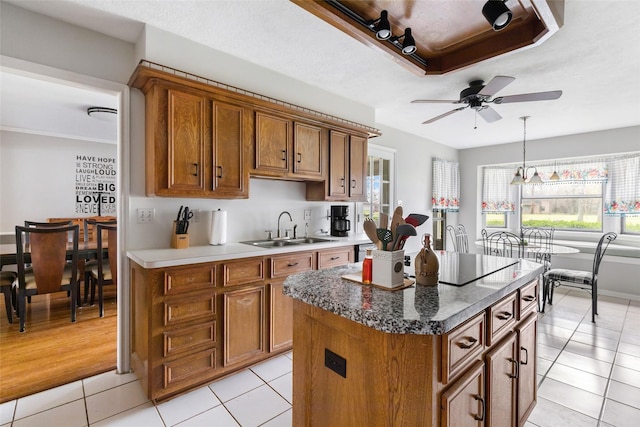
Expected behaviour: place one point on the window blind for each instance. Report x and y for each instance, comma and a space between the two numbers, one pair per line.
498, 195
622, 192
445, 186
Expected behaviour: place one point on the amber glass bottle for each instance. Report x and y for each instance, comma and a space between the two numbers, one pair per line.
367, 267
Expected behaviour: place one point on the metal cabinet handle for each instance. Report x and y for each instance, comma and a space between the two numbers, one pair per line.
196, 169
292, 265
526, 353
299, 157
481, 416
333, 258
341, 182
470, 344
515, 363
529, 298
353, 183
505, 315
220, 169
284, 155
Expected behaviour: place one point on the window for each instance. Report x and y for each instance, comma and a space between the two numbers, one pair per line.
495, 220
380, 182
631, 225
571, 206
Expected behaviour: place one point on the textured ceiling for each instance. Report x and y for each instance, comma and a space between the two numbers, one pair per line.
594, 59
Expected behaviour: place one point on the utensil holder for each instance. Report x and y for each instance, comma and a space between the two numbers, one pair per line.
388, 268
179, 241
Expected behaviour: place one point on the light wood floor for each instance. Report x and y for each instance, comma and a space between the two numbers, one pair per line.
53, 351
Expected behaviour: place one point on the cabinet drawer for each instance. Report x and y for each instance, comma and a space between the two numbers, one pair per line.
186, 309
188, 339
528, 298
243, 272
501, 317
461, 346
189, 279
189, 370
335, 257
297, 262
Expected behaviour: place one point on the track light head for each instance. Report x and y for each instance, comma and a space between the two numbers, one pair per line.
497, 14
408, 44
382, 26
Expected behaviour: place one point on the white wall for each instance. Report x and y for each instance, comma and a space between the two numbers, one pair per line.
38, 177
619, 275
414, 174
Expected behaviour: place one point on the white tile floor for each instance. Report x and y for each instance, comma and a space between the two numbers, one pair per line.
589, 375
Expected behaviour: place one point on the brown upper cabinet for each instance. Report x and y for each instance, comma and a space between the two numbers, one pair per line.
194, 144
204, 139
288, 149
347, 170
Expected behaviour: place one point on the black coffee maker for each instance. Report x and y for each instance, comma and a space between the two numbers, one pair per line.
339, 222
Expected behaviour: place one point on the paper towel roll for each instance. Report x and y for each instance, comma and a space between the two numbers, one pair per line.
218, 230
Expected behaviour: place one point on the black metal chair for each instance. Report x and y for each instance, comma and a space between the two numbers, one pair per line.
49, 271
586, 280
502, 243
538, 243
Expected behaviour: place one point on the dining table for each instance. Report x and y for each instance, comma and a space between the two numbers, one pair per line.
554, 249
86, 250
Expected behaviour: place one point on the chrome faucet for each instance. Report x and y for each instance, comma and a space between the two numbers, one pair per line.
280, 216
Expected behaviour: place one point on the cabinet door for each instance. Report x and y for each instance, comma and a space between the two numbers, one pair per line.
527, 382
463, 404
502, 373
186, 141
357, 168
339, 158
243, 325
229, 176
281, 318
273, 139
308, 151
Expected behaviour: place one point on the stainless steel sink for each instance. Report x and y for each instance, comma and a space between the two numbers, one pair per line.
285, 242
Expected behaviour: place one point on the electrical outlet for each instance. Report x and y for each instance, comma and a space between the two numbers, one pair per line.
196, 215
307, 214
145, 215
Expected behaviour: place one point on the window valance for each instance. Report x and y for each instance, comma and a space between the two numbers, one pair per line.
622, 193
446, 186
498, 195
592, 170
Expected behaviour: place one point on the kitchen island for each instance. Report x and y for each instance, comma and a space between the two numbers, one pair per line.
448, 355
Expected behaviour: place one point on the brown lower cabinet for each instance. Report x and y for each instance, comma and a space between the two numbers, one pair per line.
481, 373
195, 323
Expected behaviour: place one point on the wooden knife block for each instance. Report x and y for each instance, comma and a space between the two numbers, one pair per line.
179, 241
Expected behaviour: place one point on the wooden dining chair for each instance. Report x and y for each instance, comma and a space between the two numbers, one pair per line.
89, 226
105, 270
7, 285
90, 265
586, 280
49, 271
502, 243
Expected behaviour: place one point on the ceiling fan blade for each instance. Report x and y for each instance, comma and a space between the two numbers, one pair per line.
524, 97
434, 101
495, 85
489, 114
443, 115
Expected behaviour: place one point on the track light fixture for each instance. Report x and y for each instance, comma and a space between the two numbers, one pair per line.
381, 26
408, 44
497, 13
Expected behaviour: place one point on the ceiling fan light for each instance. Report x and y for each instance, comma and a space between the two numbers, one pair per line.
497, 14
408, 44
383, 28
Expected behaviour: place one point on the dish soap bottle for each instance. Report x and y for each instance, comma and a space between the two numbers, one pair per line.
427, 264
367, 268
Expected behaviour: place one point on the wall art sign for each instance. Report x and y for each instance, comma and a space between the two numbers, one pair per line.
95, 185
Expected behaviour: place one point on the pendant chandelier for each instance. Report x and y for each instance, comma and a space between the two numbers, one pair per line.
521, 173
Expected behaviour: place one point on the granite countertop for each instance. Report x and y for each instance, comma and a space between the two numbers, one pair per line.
167, 257
423, 310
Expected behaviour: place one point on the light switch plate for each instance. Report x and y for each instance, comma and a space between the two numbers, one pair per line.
145, 215
307, 214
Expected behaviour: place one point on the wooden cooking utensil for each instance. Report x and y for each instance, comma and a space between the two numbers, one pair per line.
370, 230
396, 219
384, 220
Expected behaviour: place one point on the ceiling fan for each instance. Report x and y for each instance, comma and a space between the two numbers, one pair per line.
477, 95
